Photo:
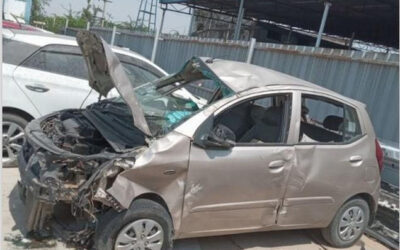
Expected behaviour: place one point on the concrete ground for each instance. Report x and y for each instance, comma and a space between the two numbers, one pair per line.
13, 220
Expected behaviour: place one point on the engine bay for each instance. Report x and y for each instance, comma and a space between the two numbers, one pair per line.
71, 131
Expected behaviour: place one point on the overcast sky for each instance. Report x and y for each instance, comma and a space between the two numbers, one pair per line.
120, 9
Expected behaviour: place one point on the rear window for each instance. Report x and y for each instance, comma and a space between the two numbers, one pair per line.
15, 52
68, 60
59, 59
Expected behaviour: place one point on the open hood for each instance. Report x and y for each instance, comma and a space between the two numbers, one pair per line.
107, 72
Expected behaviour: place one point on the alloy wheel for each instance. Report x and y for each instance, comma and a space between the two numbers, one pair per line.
13, 139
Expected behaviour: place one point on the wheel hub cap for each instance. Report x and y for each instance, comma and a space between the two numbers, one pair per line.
351, 223
144, 234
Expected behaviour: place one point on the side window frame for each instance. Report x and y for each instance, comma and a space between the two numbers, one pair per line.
289, 124
332, 99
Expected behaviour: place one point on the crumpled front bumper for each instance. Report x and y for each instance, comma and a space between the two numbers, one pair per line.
34, 194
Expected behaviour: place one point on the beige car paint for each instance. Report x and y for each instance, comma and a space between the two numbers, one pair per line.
247, 187
219, 191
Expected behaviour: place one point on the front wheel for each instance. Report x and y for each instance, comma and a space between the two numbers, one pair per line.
146, 225
13, 138
348, 225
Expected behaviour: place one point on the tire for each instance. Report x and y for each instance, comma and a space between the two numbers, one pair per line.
112, 223
9, 146
331, 233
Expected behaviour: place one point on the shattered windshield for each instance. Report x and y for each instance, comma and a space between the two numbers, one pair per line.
169, 101
167, 107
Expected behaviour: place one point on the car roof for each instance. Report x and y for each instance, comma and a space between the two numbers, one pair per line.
41, 39
241, 77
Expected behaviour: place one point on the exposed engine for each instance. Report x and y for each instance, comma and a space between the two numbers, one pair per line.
72, 177
71, 131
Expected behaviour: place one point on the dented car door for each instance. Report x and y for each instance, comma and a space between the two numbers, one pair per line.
327, 125
240, 188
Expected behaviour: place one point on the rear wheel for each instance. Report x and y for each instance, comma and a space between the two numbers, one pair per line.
349, 224
13, 138
146, 225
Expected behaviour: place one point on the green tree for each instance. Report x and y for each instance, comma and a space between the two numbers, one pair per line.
37, 10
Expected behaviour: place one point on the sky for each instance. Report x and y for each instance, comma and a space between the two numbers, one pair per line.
120, 9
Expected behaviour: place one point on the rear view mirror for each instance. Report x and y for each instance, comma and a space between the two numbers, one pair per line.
210, 140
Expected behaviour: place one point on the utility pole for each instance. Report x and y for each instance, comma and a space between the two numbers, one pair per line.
103, 17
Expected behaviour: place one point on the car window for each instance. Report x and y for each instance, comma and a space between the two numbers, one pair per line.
328, 121
14, 52
59, 59
261, 120
68, 60
138, 75
351, 126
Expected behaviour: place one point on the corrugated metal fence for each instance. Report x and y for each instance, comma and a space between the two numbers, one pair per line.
372, 78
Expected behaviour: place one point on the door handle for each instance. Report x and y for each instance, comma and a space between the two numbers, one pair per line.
37, 88
355, 158
276, 164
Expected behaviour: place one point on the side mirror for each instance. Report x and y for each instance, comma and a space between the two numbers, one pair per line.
210, 140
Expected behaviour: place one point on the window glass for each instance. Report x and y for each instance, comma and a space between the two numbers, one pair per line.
262, 120
14, 52
58, 62
138, 75
328, 121
68, 60
351, 123
167, 106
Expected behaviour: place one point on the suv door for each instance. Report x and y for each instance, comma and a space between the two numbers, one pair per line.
240, 188
331, 155
55, 78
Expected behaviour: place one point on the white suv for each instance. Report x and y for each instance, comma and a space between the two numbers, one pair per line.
43, 73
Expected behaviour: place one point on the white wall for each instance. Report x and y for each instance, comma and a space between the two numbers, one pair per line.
15, 7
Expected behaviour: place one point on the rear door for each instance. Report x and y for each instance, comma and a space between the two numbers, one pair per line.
240, 189
332, 159
54, 78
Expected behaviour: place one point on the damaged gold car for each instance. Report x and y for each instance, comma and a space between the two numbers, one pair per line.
266, 151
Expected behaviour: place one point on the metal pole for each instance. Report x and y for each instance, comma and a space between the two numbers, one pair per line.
251, 50
113, 35
157, 36
88, 26
191, 22
66, 26
239, 21
104, 13
322, 26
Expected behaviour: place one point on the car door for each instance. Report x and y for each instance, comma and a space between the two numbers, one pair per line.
331, 154
55, 78
239, 188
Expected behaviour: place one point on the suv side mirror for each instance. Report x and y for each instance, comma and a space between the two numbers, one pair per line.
210, 140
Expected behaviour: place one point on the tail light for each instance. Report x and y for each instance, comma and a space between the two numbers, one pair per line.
379, 154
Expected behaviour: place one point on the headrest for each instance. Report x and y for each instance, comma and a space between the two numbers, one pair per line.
333, 122
271, 116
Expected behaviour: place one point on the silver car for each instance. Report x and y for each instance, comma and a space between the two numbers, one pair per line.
267, 151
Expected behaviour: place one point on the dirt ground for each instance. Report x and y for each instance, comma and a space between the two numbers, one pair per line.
14, 217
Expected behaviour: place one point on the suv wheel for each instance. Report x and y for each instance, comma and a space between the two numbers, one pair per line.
349, 224
145, 226
13, 138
